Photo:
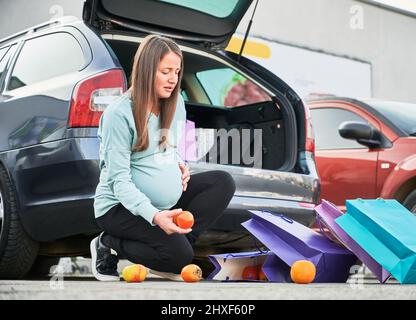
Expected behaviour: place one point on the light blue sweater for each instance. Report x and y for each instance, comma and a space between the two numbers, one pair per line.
144, 182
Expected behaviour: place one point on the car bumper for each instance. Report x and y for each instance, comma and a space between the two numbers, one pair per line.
55, 185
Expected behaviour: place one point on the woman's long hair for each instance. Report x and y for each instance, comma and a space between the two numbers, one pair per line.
143, 92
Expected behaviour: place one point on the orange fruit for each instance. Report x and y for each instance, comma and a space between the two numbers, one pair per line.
250, 273
191, 273
184, 220
262, 275
134, 273
303, 272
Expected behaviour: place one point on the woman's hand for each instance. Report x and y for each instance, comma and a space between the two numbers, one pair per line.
164, 219
185, 175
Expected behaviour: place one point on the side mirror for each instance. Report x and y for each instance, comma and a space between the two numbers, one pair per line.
362, 132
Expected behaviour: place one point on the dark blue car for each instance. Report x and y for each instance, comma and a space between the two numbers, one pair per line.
57, 78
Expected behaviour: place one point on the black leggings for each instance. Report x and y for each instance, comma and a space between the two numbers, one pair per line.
133, 238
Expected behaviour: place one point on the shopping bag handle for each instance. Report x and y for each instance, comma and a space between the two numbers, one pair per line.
251, 254
329, 236
321, 228
275, 214
248, 254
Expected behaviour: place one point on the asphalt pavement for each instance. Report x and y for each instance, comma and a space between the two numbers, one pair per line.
78, 283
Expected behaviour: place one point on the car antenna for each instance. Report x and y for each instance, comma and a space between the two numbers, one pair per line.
247, 32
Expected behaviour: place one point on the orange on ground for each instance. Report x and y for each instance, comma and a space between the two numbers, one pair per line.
303, 272
250, 273
184, 220
191, 273
134, 273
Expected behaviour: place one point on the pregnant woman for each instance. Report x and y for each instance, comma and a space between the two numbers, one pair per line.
144, 182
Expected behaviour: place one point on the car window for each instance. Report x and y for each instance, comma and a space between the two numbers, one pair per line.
217, 8
227, 88
46, 57
5, 56
326, 122
184, 95
401, 114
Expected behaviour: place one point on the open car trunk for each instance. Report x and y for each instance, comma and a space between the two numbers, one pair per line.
249, 136
247, 133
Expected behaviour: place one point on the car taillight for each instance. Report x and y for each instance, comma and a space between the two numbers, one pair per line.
92, 95
310, 137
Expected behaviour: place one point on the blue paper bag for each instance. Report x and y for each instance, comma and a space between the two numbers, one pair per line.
386, 231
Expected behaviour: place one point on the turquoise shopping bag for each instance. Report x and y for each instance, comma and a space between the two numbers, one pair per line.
386, 231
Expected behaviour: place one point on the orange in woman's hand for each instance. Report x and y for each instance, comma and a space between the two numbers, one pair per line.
303, 272
191, 273
184, 220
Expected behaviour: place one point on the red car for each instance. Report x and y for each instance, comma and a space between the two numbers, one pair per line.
365, 149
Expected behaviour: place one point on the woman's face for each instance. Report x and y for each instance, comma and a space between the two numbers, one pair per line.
167, 75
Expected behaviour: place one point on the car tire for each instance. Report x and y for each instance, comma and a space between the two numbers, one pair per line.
410, 202
17, 249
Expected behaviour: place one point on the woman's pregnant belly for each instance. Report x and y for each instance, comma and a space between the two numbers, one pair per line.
161, 183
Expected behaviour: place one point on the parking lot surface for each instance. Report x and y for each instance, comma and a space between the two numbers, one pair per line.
361, 286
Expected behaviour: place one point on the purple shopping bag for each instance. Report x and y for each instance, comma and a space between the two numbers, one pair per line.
291, 241
326, 214
230, 266
187, 145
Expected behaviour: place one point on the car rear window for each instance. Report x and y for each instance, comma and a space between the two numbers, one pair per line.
402, 114
217, 8
46, 57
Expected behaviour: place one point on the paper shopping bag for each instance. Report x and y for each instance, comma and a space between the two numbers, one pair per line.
326, 214
291, 241
230, 266
386, 231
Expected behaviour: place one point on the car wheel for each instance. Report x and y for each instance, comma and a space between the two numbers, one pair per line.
17, 250
410, 202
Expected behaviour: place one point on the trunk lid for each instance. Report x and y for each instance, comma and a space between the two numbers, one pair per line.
208, 23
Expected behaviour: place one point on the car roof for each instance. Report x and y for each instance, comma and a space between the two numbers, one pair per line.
361, 102
42, 26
